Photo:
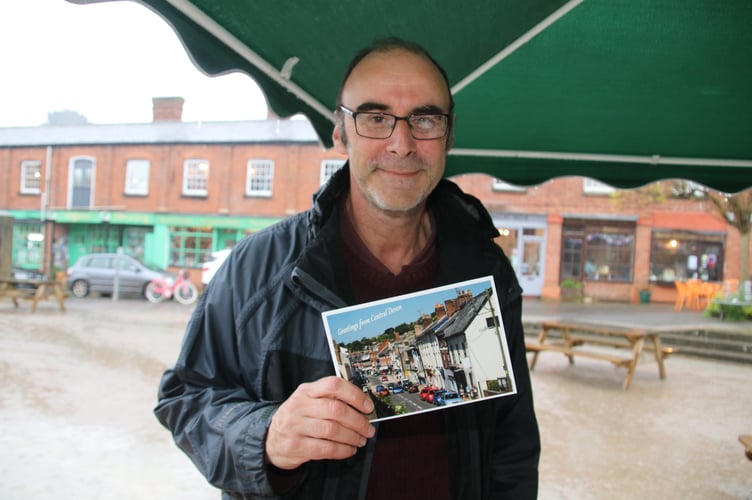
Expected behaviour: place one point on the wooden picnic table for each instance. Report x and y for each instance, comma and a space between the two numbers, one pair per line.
624, 345
34, 290
746, 441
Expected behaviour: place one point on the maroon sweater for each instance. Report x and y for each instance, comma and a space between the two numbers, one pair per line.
410, 458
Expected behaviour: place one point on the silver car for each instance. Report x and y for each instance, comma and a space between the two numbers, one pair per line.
98, 272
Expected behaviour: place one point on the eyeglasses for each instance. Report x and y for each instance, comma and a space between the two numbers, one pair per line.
379, 125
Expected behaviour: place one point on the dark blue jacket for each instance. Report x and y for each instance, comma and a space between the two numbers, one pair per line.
257, 333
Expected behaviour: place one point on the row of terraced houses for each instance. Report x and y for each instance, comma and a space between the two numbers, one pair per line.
171, 192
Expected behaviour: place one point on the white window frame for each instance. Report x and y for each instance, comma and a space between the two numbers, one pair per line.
259, 177
328, 167
137, 173
499, 185
196, 177
31, 168
592, 186
73, 163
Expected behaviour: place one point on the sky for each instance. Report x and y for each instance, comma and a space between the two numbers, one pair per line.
106, 61
370, 320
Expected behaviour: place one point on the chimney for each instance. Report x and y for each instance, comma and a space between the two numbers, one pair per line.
168, 109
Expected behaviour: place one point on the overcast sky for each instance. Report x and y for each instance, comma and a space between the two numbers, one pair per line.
106, 61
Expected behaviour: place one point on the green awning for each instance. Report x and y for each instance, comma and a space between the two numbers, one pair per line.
626, 92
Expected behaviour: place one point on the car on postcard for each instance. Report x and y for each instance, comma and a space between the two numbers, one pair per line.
98, 272
383, 392
424, 392
432, 394
384, 378
448, 398
413, 388
209, 268
397, 389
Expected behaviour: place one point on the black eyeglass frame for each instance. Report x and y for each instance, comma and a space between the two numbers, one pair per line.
407, 118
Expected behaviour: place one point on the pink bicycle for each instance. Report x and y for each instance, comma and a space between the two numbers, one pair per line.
181, 288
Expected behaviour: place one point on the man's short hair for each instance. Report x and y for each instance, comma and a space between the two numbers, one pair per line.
388, 45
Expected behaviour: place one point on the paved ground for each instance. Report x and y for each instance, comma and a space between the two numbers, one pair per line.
79, 387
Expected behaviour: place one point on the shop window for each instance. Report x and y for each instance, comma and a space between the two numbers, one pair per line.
328, 167
137, 177
594, 250
591, 186
190, 246
499, 185
31, 177
681, 255
196, 177
259, 178
28, 245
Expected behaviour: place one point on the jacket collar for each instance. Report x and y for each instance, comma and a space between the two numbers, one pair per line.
447, 195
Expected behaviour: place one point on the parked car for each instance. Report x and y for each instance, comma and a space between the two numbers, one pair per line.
19, 273
96, 272
433, 394
448, 398
209, 268
381, 391
413, 388
424, 392
397, 389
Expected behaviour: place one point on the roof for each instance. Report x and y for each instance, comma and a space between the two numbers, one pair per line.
465, 316
237, 132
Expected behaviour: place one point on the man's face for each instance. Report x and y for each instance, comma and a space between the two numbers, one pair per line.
393, 175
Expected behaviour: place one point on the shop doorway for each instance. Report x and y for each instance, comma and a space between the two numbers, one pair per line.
523, 239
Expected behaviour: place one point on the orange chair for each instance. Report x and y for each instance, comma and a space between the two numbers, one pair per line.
682, 295
705, 293
694, 292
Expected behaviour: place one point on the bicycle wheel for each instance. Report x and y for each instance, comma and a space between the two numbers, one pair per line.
153, 292
186, 293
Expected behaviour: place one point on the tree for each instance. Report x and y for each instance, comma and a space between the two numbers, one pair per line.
66, 117
737, 210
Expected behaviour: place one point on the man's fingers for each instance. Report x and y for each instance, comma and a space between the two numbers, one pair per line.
321, 420
337, 388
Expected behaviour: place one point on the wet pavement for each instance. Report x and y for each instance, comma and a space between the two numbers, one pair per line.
79, 388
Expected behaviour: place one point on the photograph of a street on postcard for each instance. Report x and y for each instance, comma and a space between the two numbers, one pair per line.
424, 351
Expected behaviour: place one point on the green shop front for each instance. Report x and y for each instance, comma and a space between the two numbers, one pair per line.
57, 239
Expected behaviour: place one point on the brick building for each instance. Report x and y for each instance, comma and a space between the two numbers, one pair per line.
171, 192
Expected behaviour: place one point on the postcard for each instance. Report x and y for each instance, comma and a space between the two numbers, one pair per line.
424, 351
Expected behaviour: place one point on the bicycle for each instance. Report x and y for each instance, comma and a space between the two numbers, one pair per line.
181, 288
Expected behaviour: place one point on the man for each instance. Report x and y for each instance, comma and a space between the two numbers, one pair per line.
253, 400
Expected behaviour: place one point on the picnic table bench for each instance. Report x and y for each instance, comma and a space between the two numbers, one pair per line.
34, 290
746, 441
575, 337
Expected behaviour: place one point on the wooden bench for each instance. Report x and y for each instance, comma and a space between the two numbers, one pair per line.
616, 339
746, 441
9, 292
39, 290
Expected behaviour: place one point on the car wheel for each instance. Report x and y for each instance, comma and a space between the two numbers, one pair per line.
80, 288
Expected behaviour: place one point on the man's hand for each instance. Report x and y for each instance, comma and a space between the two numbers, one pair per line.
325, 419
